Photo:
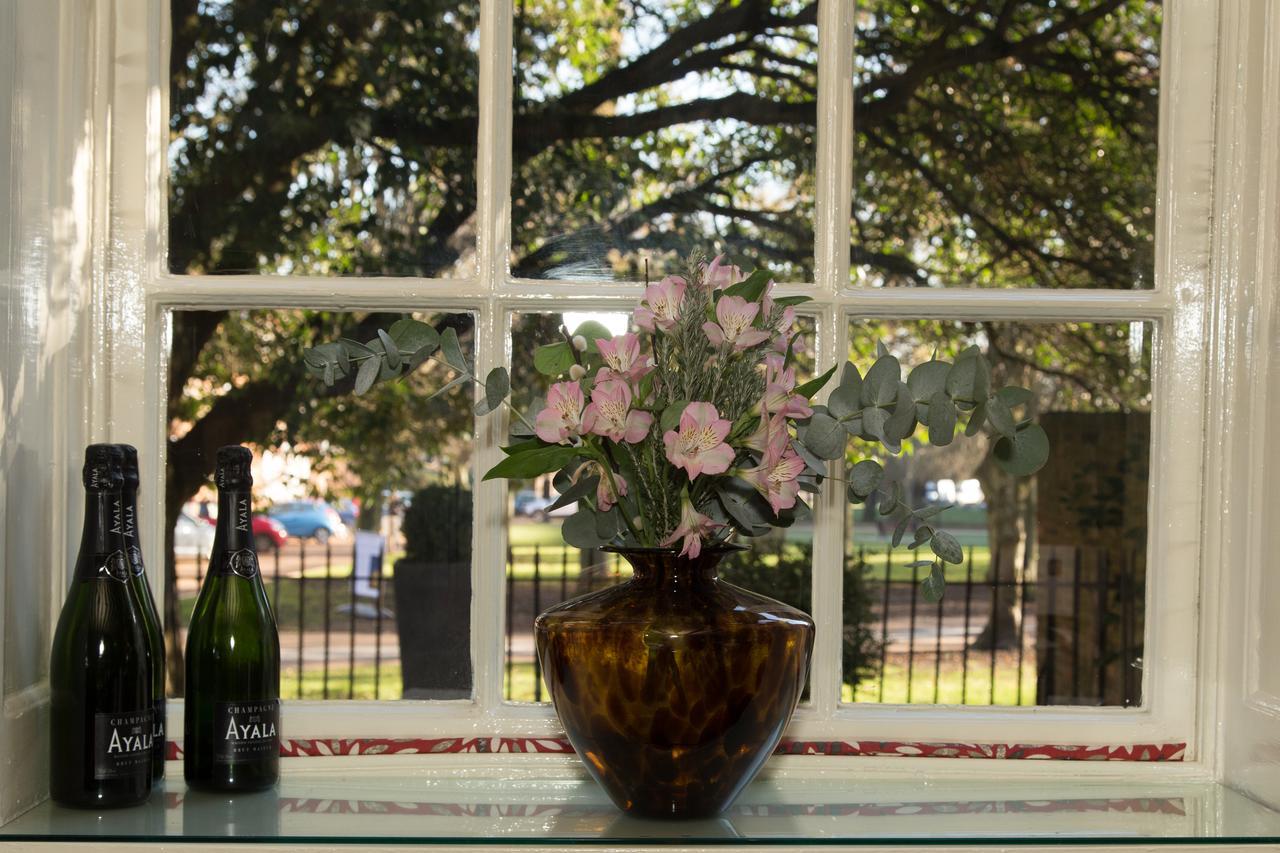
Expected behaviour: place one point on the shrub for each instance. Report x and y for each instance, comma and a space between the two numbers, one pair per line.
790, 580
437, 525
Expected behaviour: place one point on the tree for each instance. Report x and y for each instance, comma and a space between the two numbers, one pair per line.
999, 143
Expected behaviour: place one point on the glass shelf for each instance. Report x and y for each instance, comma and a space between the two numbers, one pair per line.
399, 806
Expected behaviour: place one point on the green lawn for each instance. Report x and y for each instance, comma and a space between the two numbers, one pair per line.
388, 683
518, 686
978, 690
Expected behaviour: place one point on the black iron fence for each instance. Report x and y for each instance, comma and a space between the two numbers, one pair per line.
1067, 630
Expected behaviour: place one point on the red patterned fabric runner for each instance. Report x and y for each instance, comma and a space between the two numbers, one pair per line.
307, 748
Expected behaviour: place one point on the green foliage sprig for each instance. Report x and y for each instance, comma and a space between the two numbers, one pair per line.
696, 430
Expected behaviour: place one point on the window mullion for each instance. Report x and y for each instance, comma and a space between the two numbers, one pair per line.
831, 273
493, 176
493, 190
833, 205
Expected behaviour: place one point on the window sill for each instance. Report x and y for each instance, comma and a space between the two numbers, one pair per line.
407, 807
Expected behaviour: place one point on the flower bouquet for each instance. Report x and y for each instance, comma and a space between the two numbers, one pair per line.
693, 428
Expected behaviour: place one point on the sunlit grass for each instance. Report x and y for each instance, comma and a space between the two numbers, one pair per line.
518, 684
953, 688
341, 686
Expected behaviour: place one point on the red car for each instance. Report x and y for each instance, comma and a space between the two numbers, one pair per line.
267, 533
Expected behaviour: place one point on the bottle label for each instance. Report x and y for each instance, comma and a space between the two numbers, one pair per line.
243, 563
122, 744
114, 565
244, 731
157, 724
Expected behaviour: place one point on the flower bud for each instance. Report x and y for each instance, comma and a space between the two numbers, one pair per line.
579, 343
576, 372
638, 523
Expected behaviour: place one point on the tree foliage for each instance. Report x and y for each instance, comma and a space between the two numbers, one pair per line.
998, 143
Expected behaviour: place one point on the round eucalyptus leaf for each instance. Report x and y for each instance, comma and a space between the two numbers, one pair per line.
928, 379
865, 477
946, 547
390, 348
960, 380
824, 436
976, 419
368, 373
942, 419
1012, 395
1000, 418
579, 530
880, 385
1025, 453
873, 420
902, 422
935, 585
414, 335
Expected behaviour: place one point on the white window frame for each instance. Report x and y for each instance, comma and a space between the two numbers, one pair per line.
136, 294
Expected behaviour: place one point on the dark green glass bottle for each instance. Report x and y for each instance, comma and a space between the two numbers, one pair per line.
146, 605
231, 736
99, 670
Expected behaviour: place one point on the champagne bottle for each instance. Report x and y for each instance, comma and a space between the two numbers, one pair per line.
231, 737
146, 605
99, 671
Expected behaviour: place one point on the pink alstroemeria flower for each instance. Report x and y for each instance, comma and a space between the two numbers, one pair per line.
661, 305
764, 431
605, 498
694, 527
719, 275
784, 326
779, 383
777, 477
622, 358
736, 316
609, 413
698, 447
562, 417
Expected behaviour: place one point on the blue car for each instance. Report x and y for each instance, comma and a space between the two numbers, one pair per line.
308, 520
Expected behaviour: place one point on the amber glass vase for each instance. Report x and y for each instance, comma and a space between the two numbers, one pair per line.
674, 687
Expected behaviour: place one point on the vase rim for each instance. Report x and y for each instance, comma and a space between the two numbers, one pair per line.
717, 548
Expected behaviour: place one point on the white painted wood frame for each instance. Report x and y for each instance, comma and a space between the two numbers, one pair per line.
1204, 59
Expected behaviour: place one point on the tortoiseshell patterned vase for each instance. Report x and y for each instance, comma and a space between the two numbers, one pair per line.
674, 687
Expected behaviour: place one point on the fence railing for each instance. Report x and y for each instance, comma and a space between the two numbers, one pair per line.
1069, 632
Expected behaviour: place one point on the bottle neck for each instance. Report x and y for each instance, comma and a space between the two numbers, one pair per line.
102, 541
129, 516
235, 521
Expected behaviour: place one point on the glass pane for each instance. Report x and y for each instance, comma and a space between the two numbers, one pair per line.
1047, 607
1006, 144
362, 504
646, 130
542, 570
308, 138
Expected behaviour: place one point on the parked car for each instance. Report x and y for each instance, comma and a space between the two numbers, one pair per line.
191, 537
268, 533
528, 503
308, 519
965, 493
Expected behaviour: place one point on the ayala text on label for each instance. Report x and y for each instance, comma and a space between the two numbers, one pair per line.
122, 744
246, 730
